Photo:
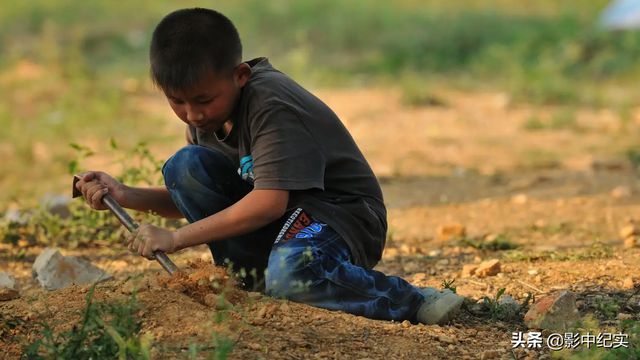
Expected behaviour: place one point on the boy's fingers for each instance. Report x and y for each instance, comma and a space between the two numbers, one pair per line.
88, 176
97, 196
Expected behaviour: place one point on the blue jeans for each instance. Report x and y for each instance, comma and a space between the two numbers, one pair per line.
312, 267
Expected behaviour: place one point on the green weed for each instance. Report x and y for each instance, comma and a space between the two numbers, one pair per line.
607, 307
448, 284
497, 310
106, 330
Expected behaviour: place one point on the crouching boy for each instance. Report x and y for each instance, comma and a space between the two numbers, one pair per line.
271, 181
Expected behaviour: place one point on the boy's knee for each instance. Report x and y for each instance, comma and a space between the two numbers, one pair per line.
187, 163
289, 272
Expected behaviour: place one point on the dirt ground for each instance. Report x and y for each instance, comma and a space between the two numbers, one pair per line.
560, 195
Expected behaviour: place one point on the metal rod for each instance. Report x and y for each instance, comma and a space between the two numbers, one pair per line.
129, 223
132, 226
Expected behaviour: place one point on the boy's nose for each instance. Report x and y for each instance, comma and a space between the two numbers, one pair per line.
194, 115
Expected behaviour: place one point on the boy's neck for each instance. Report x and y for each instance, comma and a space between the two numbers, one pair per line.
225, 130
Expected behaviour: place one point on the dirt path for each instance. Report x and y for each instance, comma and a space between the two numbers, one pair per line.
559, 195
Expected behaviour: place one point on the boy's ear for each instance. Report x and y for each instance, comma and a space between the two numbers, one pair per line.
241, 74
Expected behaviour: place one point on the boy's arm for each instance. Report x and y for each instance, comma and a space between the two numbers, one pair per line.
95, 184
257, 209
154, 199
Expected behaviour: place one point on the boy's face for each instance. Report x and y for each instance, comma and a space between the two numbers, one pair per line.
208, 105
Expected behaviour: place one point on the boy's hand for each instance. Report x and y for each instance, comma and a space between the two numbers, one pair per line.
150, 238
96, 184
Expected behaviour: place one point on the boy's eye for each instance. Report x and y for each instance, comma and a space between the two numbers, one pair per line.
205, 101
176, 101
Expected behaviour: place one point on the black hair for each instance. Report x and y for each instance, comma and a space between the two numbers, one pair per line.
188, 43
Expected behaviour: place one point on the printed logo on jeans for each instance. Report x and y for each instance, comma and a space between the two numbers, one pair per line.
246, 169
310, 231
297, 221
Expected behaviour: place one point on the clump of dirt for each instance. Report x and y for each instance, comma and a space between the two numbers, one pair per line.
206, 283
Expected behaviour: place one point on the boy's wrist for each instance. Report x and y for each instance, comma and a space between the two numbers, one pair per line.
177, 241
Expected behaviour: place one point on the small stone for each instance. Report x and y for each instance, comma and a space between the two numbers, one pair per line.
408, 249
627, 231
451, 231
390, 252
57, 205
532, 272
520, 199
434, 253
489, 354
553, 312
446, 339
624, 316
510, 307
468, 270
540, 223
285, 308
620, 192
630, 242
627, 283
211, 300
262, 313
8, 289
17, 217
488, 268
406, 324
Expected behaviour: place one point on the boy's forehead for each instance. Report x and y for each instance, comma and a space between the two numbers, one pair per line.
208, 83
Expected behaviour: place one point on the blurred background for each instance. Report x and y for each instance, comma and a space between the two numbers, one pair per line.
74, 75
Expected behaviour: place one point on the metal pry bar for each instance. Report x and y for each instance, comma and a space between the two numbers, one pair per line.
130, 224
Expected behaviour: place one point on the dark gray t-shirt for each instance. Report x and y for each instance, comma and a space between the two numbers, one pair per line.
285, 138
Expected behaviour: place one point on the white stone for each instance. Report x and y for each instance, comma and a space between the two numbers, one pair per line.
54, 271
57, 204
8, 289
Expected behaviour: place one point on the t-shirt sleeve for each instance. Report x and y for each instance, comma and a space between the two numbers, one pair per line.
285, 155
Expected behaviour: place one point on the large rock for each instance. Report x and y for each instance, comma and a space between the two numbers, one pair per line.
8, 289
54, 271
557, 311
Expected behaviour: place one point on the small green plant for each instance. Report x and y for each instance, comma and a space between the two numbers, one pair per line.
448, 284
106, 330
534, 123
222, 345
493, 304
633, 155
607, 307
499, 310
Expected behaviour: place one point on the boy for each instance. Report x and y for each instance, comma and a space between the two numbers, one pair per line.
271, 180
